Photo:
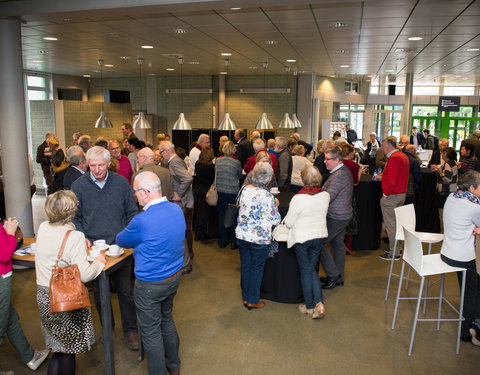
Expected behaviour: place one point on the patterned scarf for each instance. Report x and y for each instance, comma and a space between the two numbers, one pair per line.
466, 195
310, 190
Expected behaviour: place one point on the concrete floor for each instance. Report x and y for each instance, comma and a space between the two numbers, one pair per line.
219, 336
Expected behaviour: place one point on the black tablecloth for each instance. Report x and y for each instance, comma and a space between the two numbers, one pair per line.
281, 277
426, 211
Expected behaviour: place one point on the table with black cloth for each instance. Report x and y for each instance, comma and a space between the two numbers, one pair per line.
426, 210
281, 276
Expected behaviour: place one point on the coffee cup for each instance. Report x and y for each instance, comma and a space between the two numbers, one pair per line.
274, 190
94, 252
114, 249
99, 243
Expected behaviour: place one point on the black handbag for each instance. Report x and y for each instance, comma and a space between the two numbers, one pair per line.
231, 213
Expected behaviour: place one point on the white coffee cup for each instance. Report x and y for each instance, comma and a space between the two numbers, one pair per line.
33, 248
99, 243
114, 249
274, 190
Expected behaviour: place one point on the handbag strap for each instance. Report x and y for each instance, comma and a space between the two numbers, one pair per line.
239, 195
60, 253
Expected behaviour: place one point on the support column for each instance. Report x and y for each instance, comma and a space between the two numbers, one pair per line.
13, 127
306, 108
407, 105
221, 98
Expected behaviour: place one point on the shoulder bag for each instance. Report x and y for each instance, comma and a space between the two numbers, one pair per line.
280, 232
231, 213
65, 164
212, 195
67, 292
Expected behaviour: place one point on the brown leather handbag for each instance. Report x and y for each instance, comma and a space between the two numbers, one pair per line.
67, 292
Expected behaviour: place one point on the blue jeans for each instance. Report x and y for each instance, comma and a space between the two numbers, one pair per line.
252, 259
307, 257
154, 302
224, 234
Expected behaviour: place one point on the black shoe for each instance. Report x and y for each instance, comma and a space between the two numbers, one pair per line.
325, 280
222, 245
233, 246
387, 256
338, 281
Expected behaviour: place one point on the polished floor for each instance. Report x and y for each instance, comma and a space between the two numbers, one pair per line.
219, 336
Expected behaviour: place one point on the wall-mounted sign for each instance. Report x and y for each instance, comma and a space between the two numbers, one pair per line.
449, 104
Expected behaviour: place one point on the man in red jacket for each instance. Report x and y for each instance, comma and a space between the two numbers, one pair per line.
394, 187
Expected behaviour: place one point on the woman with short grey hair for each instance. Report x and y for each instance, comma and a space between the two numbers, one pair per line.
256, 215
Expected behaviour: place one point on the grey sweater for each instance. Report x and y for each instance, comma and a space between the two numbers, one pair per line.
102, 213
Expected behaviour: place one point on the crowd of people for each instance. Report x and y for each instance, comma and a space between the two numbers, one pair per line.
153, 199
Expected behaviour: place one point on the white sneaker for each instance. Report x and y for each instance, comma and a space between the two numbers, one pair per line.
38, 357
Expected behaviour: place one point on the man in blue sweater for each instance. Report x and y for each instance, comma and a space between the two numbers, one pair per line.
105, 207
157, 236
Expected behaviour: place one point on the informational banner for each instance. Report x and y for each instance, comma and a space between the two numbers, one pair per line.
449, 104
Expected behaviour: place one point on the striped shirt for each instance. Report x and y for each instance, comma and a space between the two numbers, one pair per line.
340, 187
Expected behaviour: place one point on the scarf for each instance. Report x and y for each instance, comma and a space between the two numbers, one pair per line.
373, 149
466, 195
310, 190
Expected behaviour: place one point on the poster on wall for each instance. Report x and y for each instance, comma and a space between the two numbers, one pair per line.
449, 104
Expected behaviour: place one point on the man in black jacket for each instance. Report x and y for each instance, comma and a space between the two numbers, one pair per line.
77, 167
44, 161
417, 139
244, 147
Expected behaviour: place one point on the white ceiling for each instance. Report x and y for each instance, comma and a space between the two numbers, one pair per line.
368, 44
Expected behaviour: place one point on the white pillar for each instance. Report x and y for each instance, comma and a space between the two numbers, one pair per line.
407, 105
13, 127
221, 98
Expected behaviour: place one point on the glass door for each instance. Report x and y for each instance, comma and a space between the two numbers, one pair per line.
387, 123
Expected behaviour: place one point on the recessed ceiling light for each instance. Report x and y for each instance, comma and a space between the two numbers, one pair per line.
223, 72
147, 47
37, 61
332, 76
194, 63
108, 65
43, 52
342, 51
226, 54
87, 75
444, 64
389, 71
458, 76
252, 67
398, 50
415, 38
340, 25
179, 30
124, 57
50, 38
271, 42
235, 8
152, 74
344, 66
170, 69
291, 60
66, 19
473, 49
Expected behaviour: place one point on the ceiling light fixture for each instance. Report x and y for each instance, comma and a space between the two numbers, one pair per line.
224, 73
109, 65
37, 61
473, 49
252, 67
152, 74
179, 30
170, 69
181, 123
271, 42
235, 8
415, 38
87, 75
141, 122
50, 38
344, 66
124, 57
226, 54
43, 52
342, 51
147, 47
102, 121
264, 122
286, 122
296, 122
291, 60
340, 25
227, 123
194, 63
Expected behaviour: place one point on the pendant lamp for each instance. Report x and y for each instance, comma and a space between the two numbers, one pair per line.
295, 120
102, 121
286, 122
181, 123
264, 122
141, 122
227, 123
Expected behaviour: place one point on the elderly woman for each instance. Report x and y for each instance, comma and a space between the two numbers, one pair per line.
308, 232
60, 208
203, 179
262, 156
229, 171
461, 217
9, 322
257, 213
373, 147
299, 161
56, 157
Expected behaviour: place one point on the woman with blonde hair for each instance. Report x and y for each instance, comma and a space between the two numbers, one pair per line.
71, 332
57, 157
299, 161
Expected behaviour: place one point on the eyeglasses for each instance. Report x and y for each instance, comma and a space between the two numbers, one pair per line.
135, 190
162, 151
330, 158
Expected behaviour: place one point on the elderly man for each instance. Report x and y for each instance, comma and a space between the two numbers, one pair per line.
127, 131
436, 158
259, 145
182, 195
124, 166
85, 142
244, 147
340, 187
284, 164
105, 207
44, 162
255, 135
404, 141
203, 141
394, 187
223, 139
323, 147
308, 146
146, 163
76, 136
158, 264
78, 166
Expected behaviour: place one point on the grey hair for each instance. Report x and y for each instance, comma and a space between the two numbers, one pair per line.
335, 153
168, 146
149, 181
84, 139
96, 151
469, 178
281, 142
258, 144
255, 134
75, 155
203, 137
262, 173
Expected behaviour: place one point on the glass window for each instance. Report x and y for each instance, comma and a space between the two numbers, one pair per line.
424, 110
464, 112
466, 91
425, 90
400, 90
34, 81
374, 90
37, 95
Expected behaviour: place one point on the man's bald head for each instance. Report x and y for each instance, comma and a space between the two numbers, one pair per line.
410, 149
145, 156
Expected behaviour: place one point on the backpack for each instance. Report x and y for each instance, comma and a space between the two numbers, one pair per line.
435, 143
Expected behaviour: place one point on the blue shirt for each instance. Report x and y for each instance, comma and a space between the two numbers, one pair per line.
157, 237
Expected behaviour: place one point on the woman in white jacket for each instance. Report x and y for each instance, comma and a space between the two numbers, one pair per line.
307, 221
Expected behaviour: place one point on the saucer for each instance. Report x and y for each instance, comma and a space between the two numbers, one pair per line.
114, 255
104, 247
